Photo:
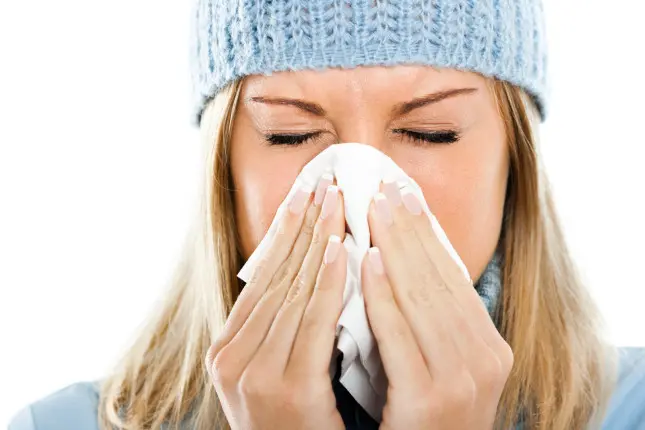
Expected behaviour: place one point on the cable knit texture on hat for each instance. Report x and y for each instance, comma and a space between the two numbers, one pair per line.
234, 38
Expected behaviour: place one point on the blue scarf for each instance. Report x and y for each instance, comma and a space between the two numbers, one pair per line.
489, 284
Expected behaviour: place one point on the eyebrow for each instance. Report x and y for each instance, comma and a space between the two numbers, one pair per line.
398, 110
310, 107
428, 99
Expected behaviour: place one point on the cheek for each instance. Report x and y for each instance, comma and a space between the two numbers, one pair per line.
262, 178
465, 187
256, 202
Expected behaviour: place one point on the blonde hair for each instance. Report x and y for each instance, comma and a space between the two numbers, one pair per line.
563, 370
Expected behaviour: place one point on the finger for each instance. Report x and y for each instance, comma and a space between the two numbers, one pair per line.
400, 354
289, 268
407, 208
245, 341
412, 211
391, 190
330, 221
411, 215
417, 287
279, 341
314, 342
475, 336
325, 181
282, 245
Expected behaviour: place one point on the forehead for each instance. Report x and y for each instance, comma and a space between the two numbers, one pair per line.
403, 81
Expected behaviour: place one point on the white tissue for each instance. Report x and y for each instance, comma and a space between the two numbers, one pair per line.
358, 170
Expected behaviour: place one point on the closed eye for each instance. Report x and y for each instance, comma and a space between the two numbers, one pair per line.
290, 139
433, 137
416, 137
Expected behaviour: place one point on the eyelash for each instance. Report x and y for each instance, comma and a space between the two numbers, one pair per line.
440, 137
290, 139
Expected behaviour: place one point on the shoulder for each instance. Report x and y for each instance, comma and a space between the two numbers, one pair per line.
72, 408
626, 408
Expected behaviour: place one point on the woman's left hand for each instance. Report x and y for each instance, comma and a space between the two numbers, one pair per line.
445, 361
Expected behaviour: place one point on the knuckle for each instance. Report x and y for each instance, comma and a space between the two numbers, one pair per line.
455, 396
221, 368
420, 295
432, 407
398, 330
215, 349
255, 277
308, 228
491, 373
302, 395
254, 385
491, 367
502, 355
297, 288
506, 357
250, 389
312, 324
395, 330
431, 277
281, 230
464, 391
490, 377
406, 227
258, 272
427, 406
298, 282
426, 279
317, 237
440, 284
262, 264
282, 279
295, 398
210, 358
418, 402
309, 324
428, 284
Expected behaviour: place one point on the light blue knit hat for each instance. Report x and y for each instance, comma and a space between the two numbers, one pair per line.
235, 38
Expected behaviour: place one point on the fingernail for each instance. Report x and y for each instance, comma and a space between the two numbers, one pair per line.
376, 262
325, 181
333, 245
330, 202
410, 201
391, 191
383, 208
299, 200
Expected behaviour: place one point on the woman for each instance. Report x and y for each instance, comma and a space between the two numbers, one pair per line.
453, 91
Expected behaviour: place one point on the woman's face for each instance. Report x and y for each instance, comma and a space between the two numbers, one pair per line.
441, 127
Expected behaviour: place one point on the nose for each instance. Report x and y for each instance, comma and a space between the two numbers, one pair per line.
365, 129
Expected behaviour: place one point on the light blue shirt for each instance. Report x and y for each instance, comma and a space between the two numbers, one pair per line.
75, 407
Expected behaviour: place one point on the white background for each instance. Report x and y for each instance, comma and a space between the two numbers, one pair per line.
98, 169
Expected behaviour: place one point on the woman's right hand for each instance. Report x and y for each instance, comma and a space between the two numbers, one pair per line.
270, 365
